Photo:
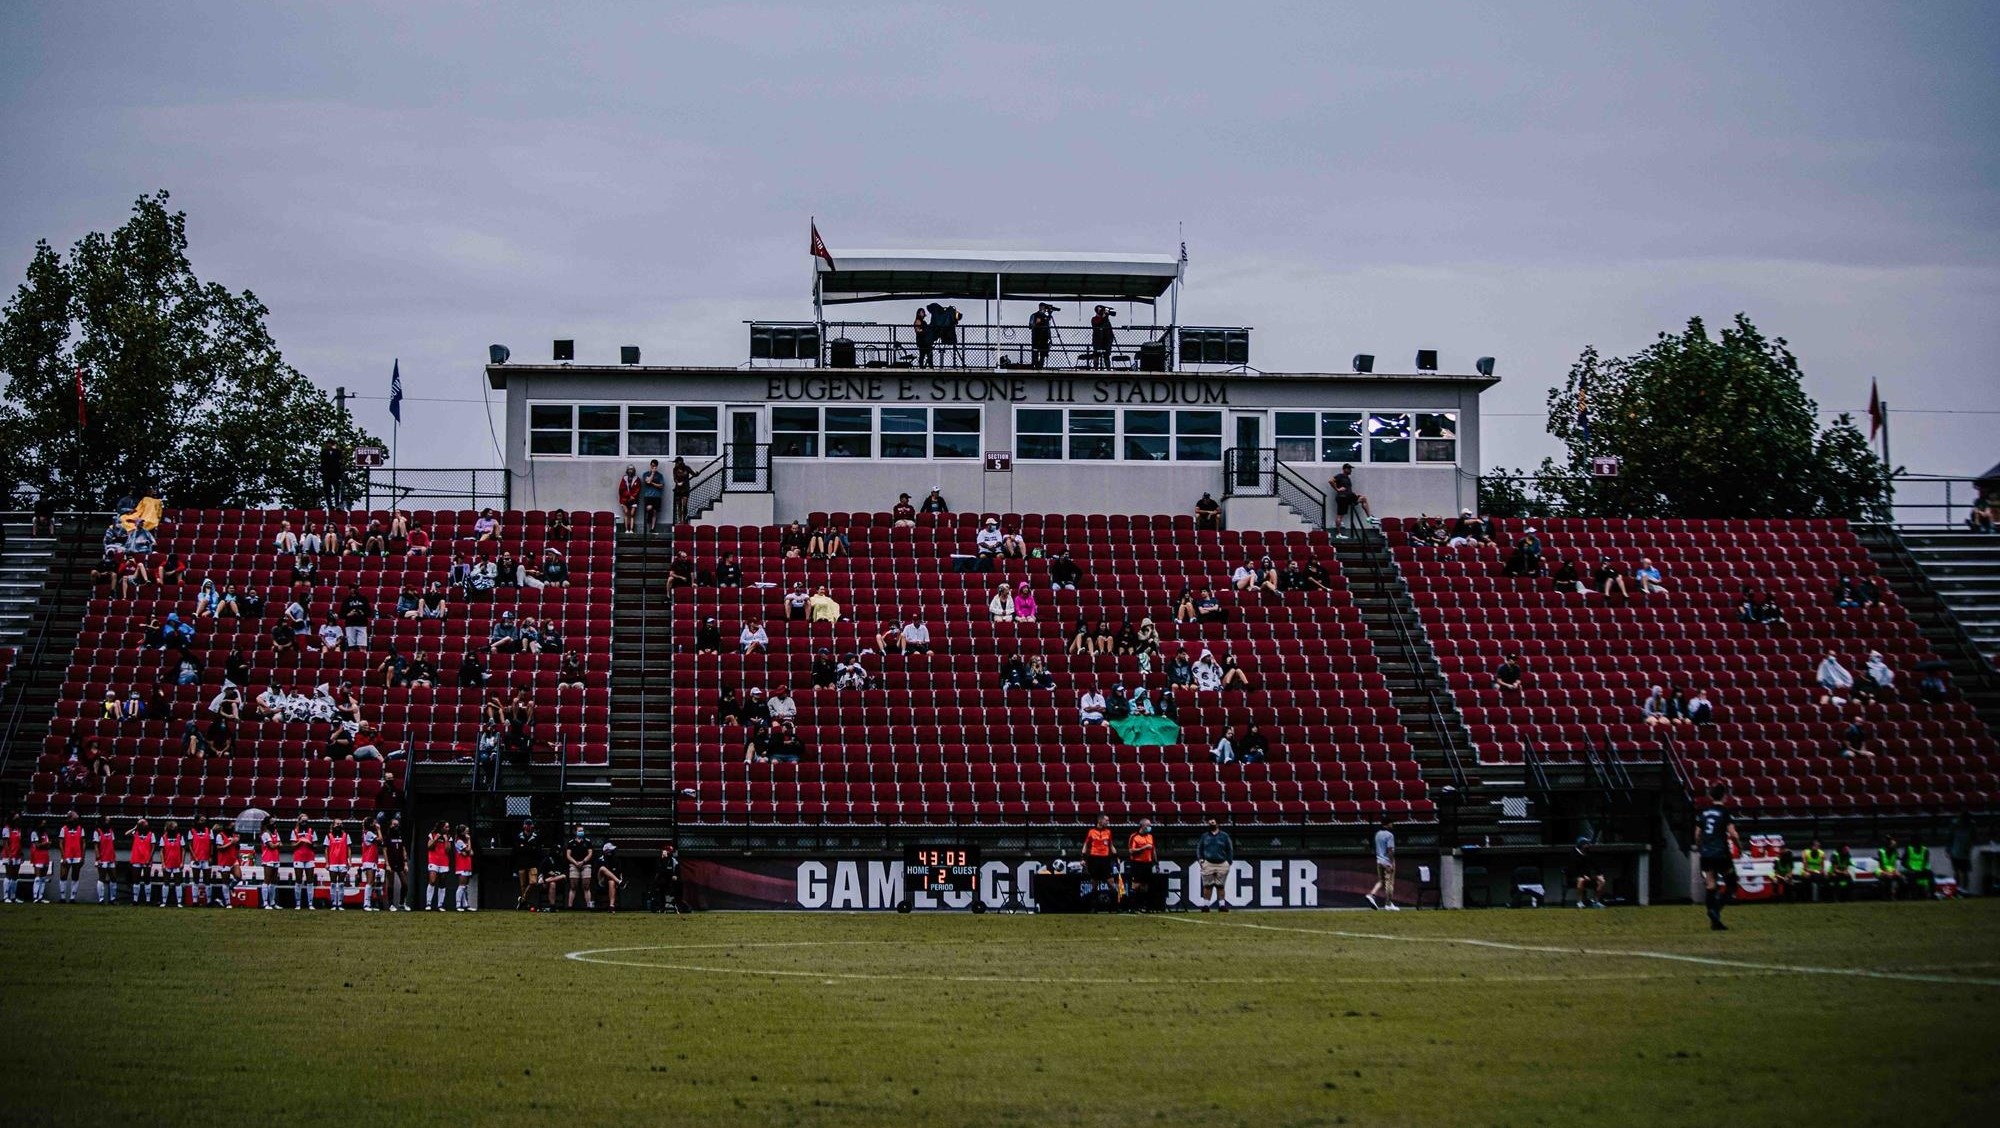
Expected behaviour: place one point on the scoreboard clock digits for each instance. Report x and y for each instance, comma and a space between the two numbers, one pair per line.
939, 869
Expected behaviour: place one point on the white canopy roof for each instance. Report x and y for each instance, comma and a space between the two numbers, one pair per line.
866, 276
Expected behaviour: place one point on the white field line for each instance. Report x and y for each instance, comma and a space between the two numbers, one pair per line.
1612, 953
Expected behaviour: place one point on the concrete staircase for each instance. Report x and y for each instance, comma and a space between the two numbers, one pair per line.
24, 568
641, 791
46, 640
1492, 802
1949, 583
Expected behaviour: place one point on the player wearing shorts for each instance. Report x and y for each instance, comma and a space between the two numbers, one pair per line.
270, 848
396, 862
38, 860
228, 853
437, 863
461, 866
303, 878
582, 861
107, 862
338, 849
13, 843
173, 863
371, 864
201, 859
142, 863
70, 840
553, 877
1715, 842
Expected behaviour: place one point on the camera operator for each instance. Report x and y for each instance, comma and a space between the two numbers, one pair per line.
1101, 340
1041, 333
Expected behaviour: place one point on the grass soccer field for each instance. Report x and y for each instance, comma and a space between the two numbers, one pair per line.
1851, 1014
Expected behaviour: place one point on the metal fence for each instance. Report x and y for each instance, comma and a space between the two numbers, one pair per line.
434, 488
874, 344
1917, 501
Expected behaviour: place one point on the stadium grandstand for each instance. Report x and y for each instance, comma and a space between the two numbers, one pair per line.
945, 585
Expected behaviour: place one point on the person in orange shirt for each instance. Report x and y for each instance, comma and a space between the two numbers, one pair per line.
1098, 855
1141, 856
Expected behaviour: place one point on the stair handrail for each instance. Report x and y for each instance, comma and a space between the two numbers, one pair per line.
1538, 775
1968, 647
705, 489
1443, 729
69, 547
1307, 498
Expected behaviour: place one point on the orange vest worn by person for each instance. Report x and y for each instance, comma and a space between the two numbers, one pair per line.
1097, 842
1140, 848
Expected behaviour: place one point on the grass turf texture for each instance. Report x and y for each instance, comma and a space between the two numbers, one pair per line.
202, 1017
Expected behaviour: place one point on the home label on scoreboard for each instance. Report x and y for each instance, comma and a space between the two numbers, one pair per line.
937, 869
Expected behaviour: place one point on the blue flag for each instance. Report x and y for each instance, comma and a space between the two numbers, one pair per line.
396, 389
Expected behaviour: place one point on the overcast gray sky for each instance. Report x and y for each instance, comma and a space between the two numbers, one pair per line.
418, 180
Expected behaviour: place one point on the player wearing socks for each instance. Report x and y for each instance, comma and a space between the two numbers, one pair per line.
173, 864
338, 848
38, 860
461, 866
201, 859
107, 862
371, 864
437, 863
13, 843
142, 863
270, 848
228, 853
71, 840
303, 878
1715, 841
396, 859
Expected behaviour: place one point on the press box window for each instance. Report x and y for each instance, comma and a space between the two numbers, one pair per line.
697, 431
1198, 436
1437, 436
1146, 435
850, 432
1093, 436
1389, 437
597, 431
647, 431
1038, 433
954, 432
795, 432
549, 429
904, 432
1339, 436
1297, 435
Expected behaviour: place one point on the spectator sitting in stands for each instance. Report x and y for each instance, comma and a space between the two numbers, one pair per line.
1014, 672
1000, 608
507, 570
1025, 607
1566, 578
1223, 751
934, 502
786, 747
1180, 674
828, 543
680, 573
228, 703
1292, 577
531, 637
781, 707
1835, 683
1867, 592
1610, 577
793, 541
481, 578
1148, 636
1080, 638
1509, 677
1102, 640
1700, 710
407, 604
916, 636
559, 526
1980, 520
1268, 579
1233, 675
1166, 706
822, 607
728, 573
708, 637
305, 569
1126, 641
1253, 748
1317, 577
1653, 710
1934, 688
903, 515
487, 528
1244, 577
471, 671
1468, 531
286, 543
340, 745
418, 543
376, 541
1150, 660
1039, 676
1769, 611
1142, 702
172, 633
110, 710
1843, 592
329, 540
1855, 740
1012, 545
221, 737
1207, 512
1064, 574
1208, 609
1648, 576
129, 574
309, 542
169, 570
1427, 532
850, 673
753, 639
1184, 611
1526, 558
140, 542
113, 541
988, 541
1116, 706
431, 605
889, 640
554, 571
823, 668
352, 542
419, 673
1207, 672
504, 637
1877, 680
1090, 706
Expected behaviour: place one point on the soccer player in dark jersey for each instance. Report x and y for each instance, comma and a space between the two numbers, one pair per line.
1715, 841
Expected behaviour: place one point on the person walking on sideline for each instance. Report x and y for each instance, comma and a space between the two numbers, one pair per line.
1385, 870
1142, 866
1715, 839
1098, 854
1217, 853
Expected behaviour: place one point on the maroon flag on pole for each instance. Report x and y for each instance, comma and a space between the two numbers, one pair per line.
1875, 419
82, 418
819, 247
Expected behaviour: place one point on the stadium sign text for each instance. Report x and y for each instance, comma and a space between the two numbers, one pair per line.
988, 389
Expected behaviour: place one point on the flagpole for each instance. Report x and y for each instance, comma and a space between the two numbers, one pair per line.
1888, 466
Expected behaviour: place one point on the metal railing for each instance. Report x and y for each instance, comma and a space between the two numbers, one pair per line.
740, 468
28, 662
875, 344
1891, 539
1441, 726
1917, 501
438, 488
1259, 472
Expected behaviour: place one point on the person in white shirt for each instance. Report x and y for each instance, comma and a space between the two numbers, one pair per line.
1699, 709
287, 542
781, 705
1207, 672
1244, 577
916, 637
1001, 606
1224, 751
850, 673
753, 638
1090, 707
988, 539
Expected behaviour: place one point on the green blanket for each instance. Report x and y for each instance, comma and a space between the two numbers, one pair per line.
1146, 730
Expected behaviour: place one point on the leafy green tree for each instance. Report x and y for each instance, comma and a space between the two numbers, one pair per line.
1705, 427
185, 391
1503, 493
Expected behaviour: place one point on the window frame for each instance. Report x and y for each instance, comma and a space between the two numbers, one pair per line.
576, 430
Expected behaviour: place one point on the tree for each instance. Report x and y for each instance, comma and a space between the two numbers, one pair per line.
1704, 427
185, 391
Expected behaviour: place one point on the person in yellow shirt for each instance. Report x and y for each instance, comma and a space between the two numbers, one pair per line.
822, 608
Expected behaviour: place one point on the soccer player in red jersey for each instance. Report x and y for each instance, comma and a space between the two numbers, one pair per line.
38, 860
227, 855
142, 862
13, 841
338, 849
303, 878
461, 865
371, 862
201, 858
173, 863
437, 859
107, 862
270, 847
71, 841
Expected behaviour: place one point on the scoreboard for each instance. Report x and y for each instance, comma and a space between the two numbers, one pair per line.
939, 869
